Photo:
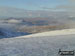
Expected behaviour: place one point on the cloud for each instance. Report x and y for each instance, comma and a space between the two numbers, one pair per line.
14, 12
46, 8
70, 7
71, 0
52, 9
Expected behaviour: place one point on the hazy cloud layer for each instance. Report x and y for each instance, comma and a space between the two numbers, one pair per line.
15, 12
69, 7
72, 0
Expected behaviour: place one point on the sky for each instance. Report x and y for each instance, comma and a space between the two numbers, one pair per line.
23, 7
33, 4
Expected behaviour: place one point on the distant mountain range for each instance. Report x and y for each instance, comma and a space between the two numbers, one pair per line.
28, 21
6, 33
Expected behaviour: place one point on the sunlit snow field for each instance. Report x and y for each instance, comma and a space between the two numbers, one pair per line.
36, 46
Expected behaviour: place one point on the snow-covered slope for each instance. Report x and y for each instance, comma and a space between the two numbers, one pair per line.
43, 44
51, 33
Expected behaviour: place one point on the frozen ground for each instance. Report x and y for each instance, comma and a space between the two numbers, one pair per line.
45, 45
